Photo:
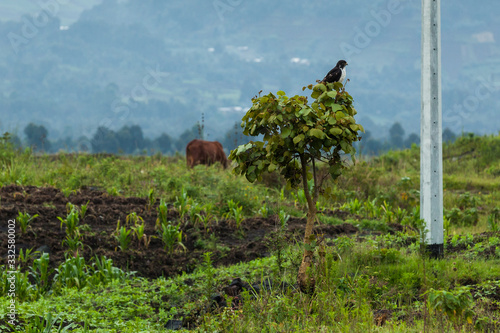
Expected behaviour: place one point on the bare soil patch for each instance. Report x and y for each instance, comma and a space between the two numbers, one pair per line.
45, 232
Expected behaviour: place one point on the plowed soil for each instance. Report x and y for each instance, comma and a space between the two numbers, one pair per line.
228, 247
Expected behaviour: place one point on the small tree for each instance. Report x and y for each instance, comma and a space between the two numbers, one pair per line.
296, 137
36, 136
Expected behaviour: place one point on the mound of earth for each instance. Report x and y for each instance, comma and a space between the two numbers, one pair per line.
228, 245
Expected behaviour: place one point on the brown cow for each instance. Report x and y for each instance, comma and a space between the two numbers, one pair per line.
205, 152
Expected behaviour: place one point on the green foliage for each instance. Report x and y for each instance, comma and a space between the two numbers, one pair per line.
47, 324
74, 243
151, 199
293, 129
183, 203
171, 236
468, 217
209, 272
7, 149
40, 273
353, 206
456, 304
464, 240
283, 217
235, 212
300, 198
103, 272
134, 219
494, 220
71, 221
25, 255
123, 236
342, 245
24, 220
162, 214
264, 210
138, 230
206, 215
73, 273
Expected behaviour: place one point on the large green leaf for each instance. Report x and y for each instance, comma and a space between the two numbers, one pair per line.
285, 132
316, 133
335, 131
298, 138
332, 94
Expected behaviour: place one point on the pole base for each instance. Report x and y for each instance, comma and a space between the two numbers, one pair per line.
435, 251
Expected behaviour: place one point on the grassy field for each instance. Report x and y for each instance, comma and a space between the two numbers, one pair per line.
375, 279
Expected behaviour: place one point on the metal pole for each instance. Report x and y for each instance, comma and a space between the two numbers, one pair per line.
431, 152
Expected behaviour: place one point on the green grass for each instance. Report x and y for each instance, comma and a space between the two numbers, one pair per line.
369, 282
349, 293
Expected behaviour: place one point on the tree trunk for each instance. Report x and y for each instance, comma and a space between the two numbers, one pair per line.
305, 280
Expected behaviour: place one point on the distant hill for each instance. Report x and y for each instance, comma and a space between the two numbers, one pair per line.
160, 64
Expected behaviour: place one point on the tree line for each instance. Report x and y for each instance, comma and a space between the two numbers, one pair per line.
130, 140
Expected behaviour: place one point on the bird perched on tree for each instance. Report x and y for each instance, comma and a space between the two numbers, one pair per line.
337, 74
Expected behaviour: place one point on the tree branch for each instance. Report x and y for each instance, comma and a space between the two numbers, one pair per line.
303, 163
315, 189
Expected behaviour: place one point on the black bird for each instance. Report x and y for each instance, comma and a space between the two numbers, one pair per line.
337, 74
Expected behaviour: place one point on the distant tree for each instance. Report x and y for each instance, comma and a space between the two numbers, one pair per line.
104, 141
8, 142
67, 144
164, 143
449, 135
185, 137
411, 139
14, 140
130, 139
373, 147
137, 137
396, 135
36, 137
83, 144
360, 146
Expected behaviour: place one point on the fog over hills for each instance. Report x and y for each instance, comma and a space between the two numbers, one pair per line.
75, 65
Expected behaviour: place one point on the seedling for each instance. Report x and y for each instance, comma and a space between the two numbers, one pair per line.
494, 220
104, 272
455, 304
123, 236
71, 222
194, 211
72, 273
40, 273
24, 256
171, 237
114, 192
74, 243
83, 210
235, 212
284, 217
207, 217
24, 220
264, 211
133, 218
182, 203
151, 200
162, 214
